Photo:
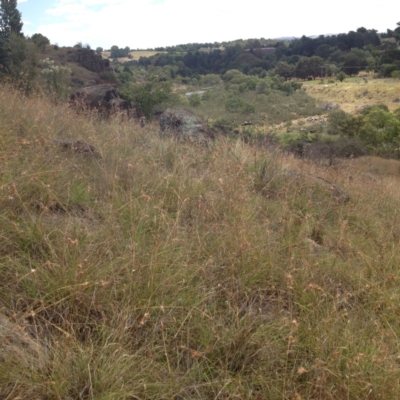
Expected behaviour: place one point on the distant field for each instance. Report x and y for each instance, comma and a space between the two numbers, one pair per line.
355, 92
135, 55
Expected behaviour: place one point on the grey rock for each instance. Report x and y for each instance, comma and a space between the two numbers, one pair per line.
329, 106
102, 98
184, 125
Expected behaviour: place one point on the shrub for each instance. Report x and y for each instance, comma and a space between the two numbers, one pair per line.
234, 104
380, 127
195, 100
368, 109
248, 109
335, 119
376, 126
223, 124
145, 96
341, 76
55, 77
108, 77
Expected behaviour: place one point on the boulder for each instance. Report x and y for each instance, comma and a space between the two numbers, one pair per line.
103, 98
329, 106
184, 125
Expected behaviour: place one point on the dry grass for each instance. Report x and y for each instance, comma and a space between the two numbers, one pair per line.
135, 55
353, 93
170, 271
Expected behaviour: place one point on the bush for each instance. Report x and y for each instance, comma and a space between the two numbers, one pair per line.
55, 77
223, 124
145, 96
376, 126
368, 109
108, 77
248, 109
234, 104
210, 79
262, 87
341, 76
335, 119
380, 127
388, 69
195, 100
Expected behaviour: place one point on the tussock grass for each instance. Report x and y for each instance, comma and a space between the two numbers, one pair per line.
171, 271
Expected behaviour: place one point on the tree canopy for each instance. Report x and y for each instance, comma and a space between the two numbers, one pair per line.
10, 18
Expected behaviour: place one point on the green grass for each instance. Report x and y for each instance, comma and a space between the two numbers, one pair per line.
171, 271
269, 109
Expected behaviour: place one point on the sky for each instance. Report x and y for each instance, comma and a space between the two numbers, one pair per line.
158, 23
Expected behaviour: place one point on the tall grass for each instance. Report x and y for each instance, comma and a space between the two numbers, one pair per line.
171, 271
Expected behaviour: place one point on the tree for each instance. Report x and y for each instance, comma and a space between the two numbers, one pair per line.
380, 126
341, 76
116, 52
396, 32
40, 40
21, 62
324, 51
284, 69
10, 18
17, 51
99, 50
145, 96
352, 64
3, 55
312, 66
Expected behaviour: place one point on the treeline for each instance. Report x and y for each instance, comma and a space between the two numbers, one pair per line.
304, 58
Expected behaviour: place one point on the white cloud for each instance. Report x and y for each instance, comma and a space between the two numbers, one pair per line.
151, 23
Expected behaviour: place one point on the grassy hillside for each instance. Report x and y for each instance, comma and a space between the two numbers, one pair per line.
356, 92
165, 270
135, 55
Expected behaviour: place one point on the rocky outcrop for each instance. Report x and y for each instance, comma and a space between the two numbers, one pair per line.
102, 98
184, 125
329, 106
88, 59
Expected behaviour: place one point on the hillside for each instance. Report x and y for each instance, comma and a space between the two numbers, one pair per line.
87, 68
167, 270
355, 93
